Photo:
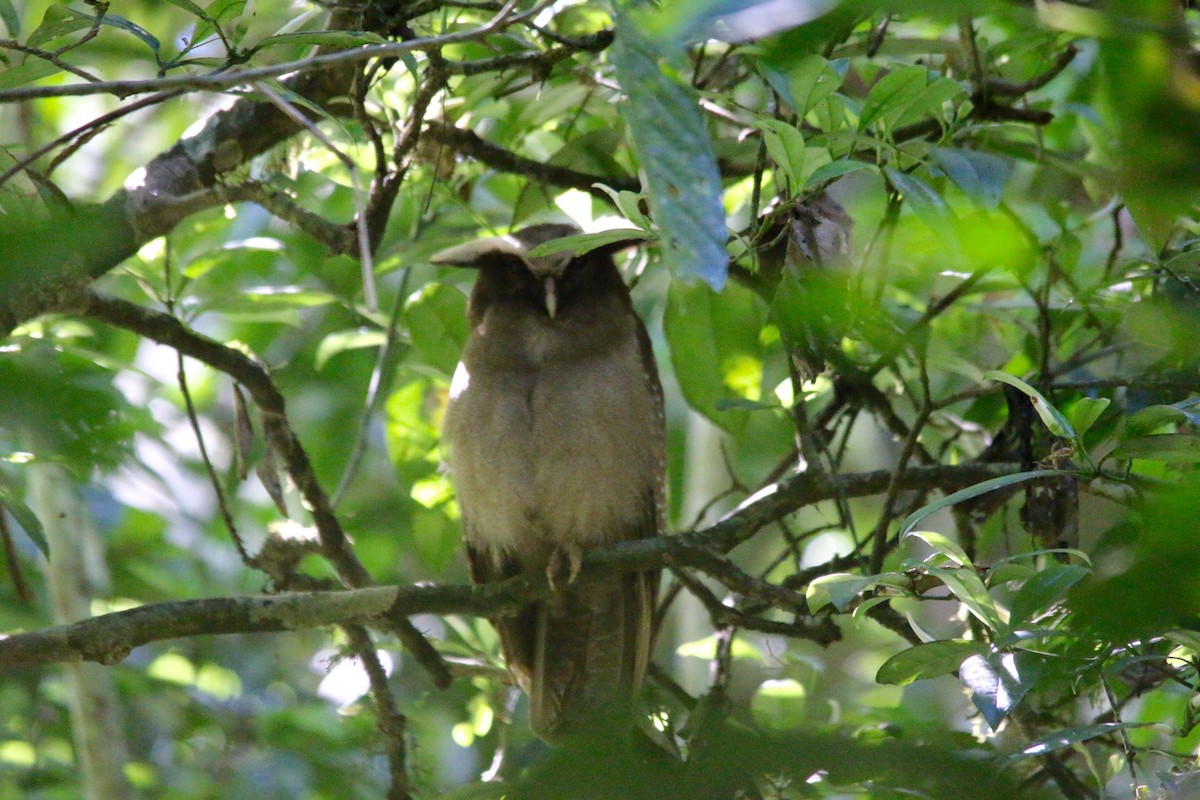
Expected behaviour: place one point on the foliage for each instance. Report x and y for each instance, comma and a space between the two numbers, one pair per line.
922, 283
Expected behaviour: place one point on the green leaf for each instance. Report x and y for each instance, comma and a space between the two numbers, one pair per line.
25, 517
411, 434
983, 487
1067, 737
998, 682
966, 586
1051, 417
928, 660
19, 196
673, 149
1042, 590
32, 70
1149, 574
943, 545
1184, 262
715, 347
1149, 419
891, 94
215, 12
190, 7
785, 145
587, 242
838, 589
1086, 411
1173, 448
437, 322
779, 704
811, 80
981, 176
125, 25
341, 341
924, 200
435, 536
706, 648
927, 103
58, 21
10, 18
836, 169
630, 205
344, 39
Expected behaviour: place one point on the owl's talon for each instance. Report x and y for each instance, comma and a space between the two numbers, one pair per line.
564, 565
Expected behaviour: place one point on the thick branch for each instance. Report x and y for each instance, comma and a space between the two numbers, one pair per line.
109, 638
45, 263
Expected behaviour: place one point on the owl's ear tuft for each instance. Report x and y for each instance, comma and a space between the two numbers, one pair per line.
474, 252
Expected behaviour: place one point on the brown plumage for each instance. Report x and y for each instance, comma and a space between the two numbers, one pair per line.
554, 438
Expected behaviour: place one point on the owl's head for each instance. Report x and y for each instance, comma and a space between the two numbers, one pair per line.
554, 285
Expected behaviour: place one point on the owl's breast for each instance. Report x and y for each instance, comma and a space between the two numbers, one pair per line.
558, 454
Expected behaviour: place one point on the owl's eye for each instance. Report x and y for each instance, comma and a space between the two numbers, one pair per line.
516, 267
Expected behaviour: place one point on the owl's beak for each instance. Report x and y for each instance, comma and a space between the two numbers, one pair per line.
551, 296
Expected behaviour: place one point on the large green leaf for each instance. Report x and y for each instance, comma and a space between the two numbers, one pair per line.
437, 323
675, 154
998, 682
715, 348
928, 660
981, 175
1067, 737
1043, 589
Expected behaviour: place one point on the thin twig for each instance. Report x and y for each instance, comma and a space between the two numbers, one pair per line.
209, 470
391, 723
13, 44
375, 392
221, 81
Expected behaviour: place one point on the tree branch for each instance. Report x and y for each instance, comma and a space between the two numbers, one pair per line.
471, 144
335, 546
110, 637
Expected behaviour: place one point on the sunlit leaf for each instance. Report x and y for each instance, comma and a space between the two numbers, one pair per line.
324, 39
1067, 737
1151, 418
942, 545
927, 660
779, 704
811, 80
969, 590
341, 341
998, 682
715, 346
838, 590
1051, 417
1086, 411
983, 487
587, 242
